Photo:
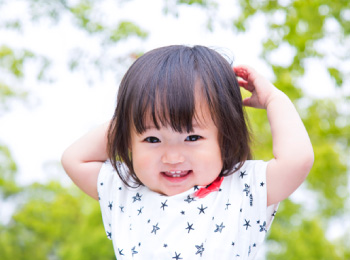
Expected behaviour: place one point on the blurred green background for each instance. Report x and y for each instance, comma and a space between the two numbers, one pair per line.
49, 220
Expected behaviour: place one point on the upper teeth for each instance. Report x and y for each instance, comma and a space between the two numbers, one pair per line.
173, 172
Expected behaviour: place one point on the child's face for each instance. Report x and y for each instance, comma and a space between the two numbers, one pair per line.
170, 163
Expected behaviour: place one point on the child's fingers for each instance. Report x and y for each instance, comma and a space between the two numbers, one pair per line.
247, 102
241, 71
242, 82
245, 84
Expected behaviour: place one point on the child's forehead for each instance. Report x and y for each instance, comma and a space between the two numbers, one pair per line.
201, 116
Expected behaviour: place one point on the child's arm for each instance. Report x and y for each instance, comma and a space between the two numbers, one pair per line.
83, 159
292, 149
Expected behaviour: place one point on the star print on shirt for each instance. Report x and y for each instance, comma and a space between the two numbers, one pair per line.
200, 249
251, 200
164, 205
243, 174
263, 227
133, 251
227, 204
246, 189
110, 205
139, 211
109, 235
141, 207
189, 227
246, 224
137, 197
262, 184
120, 251
155, 229
189, 199
219, 228
201, 209
177, 256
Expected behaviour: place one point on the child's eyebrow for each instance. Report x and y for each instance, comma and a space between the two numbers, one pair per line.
195, 124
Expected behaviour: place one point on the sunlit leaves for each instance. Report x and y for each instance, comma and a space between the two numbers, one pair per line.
301, 24
55, 222
336, 75
126, 29
304, 240
8, 169
13, 61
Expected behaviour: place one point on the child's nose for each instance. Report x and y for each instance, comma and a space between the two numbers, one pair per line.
172, 156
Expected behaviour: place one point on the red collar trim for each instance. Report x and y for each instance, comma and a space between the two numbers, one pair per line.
214, 186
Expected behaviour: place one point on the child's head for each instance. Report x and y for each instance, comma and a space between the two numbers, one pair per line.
165, 87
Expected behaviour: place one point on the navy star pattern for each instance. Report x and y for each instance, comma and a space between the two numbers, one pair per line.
133, 251
110, 205
247, 224
200, 249
189, 199
219, 228
164, 205
246, 189
177, 256
155, 229
242, 174
201, 209
227, 205
139, 211
191, 211
137, 197
263, 227
189, 227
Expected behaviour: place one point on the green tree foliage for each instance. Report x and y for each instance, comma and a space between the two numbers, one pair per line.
55, 222
305, 26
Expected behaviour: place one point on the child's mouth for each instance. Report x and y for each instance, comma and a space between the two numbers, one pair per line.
176, 174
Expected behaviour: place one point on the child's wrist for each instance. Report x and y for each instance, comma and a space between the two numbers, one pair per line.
276, 95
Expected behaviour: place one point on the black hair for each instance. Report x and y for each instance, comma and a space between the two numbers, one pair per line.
161, 85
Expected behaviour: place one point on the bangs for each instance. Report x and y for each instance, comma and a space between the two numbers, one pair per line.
165, 94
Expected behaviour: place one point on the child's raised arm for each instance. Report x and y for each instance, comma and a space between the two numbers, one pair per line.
292, 149
82, 160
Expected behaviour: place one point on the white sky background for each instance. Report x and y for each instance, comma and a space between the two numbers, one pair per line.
38, 130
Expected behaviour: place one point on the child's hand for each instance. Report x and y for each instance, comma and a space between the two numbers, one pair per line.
262, 90
292, 150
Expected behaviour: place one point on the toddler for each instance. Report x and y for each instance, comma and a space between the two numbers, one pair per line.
172, 170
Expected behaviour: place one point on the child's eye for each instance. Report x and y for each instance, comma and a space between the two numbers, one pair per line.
152, 139
192, 138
